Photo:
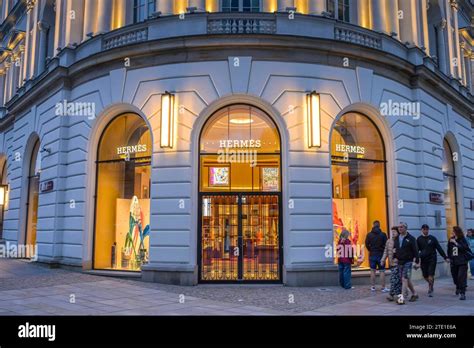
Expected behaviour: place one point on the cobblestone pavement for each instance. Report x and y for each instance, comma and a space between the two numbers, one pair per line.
31, 289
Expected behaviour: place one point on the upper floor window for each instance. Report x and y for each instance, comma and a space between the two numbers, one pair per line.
240, 5
339, 9
143, 9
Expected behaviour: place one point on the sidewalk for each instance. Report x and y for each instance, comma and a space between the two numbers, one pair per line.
30, 289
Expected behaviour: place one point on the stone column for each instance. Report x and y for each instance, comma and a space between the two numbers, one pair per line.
424, 33
75, 21
43, 28
22, 65
316, 7
90, 13
363, 13
180, 6
442, 54
199, 4
394, 24
283, 4
457, 46
104, 16
269, 5
8, 80
26, 63
379, 19
408, 24
165, 7
60, 26
449, 34
2, 86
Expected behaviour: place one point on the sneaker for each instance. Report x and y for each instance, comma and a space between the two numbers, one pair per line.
430, 293
390, 298
463, 297
457, 292
385, 290
400, 300
413, 298
372, 288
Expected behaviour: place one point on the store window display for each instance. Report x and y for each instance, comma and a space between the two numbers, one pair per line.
358, 180
123, 195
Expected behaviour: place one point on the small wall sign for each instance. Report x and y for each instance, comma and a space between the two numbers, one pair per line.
47, 186
436, 197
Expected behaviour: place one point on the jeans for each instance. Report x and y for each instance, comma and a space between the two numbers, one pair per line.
345, 275
471, 265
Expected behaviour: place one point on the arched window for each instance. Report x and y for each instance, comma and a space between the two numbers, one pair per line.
240, 197
358, 179
33, 198
450, 196
123, 195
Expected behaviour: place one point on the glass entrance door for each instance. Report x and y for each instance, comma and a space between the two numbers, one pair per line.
240, 237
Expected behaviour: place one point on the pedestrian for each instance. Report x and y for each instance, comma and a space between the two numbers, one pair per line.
345, 260
428, 246
460, 254
389, 254
375, 244
470, 239
406, 252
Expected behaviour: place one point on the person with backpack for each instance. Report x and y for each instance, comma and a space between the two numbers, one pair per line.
389, 254
375, 244
460, 254
406, 252
345, 258
428, 246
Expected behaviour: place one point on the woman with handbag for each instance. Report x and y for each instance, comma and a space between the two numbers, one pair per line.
460, 254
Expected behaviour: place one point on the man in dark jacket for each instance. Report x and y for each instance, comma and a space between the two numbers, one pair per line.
427, 246
375, 244
406, 252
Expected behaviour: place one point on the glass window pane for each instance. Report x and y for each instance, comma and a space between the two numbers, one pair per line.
123, 195
355, 136
240, 150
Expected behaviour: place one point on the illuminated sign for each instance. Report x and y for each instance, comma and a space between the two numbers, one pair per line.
250, 144
359, 150
126, 150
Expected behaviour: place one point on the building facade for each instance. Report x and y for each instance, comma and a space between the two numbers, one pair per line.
231, 141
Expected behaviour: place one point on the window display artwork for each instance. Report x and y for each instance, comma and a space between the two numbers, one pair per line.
351, 215
270, 179
219, 176
132, 233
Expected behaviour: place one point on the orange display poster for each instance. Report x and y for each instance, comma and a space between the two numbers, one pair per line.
351, 214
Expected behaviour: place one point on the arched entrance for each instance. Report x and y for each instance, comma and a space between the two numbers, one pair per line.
450, 194
240, 218
122, 206
34, 172
359, 182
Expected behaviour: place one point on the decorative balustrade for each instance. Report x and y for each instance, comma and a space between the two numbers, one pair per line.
358, 37
125, 38
241, 26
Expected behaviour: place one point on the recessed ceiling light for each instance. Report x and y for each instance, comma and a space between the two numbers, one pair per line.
241, 121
